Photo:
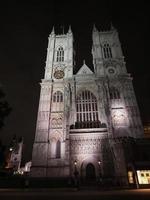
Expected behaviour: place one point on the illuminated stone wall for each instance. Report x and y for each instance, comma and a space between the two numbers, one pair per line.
81, 115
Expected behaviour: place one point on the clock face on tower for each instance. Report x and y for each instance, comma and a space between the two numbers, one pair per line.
111, 70
58, 74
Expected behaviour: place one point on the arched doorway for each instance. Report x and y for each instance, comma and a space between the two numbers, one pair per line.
90, 172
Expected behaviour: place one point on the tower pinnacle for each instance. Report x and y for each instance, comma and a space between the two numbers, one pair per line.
94, 28
53, 31
112, 28
69, 30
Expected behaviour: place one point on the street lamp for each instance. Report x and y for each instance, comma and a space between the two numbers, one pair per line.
100, 178
10, 149
99, 164
76, 174
75, 169
75, 163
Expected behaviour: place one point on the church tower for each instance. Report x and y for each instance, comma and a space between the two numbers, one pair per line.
123, 118
108, 61
50, 149
82, 117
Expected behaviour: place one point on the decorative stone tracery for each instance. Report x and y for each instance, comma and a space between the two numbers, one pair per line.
84, 146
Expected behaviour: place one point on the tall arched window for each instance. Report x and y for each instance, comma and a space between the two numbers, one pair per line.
86, 106
60, 54
114, 93
58, 96
107, 51
58, 149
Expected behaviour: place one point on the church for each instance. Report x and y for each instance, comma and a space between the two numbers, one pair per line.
85, 118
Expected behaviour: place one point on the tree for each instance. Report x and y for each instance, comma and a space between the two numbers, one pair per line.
5, 109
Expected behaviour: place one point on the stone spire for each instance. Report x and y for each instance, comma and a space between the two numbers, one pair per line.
69, 30
53, 31
112, 28
94, 28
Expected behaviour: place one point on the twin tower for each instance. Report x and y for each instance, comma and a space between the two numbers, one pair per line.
82, 116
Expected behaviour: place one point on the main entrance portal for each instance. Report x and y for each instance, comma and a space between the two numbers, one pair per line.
90, 172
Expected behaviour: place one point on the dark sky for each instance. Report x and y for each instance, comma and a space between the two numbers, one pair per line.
24, 31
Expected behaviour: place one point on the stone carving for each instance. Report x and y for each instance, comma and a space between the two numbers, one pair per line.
56, 123
119, 117
57, 135
85, 146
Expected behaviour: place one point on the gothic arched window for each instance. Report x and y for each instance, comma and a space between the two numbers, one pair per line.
114, 93
58, 149
58, 96
86, 106
107, 51
60, 54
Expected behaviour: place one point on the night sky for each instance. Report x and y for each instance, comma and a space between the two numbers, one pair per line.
24, 31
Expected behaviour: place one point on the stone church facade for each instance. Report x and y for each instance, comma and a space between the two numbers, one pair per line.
83, 116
